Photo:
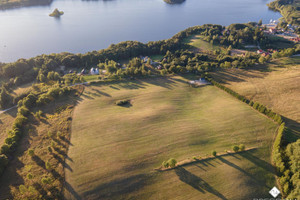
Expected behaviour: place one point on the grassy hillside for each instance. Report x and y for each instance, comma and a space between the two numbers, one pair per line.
115, 149
6, 121
48, 135
275, 85
198, 43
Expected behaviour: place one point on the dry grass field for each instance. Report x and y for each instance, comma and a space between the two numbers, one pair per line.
114, 150
40, 134
276, 85
6, 121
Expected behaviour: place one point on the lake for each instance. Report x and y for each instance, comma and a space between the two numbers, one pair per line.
95, 24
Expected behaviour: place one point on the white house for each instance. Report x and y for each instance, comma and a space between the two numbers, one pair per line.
94, 71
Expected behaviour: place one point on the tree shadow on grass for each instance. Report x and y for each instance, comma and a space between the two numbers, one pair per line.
167, 83
253, 178
196, 182
100, 92
117, 189
72, 191
258, 162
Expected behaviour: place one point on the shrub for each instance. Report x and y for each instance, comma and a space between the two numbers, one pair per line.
214, 153
242, 147
59, 134
195, 158
22, 189
49, 149
23, 111
3, 162
5, 149
39, 114
172, 162
48, 165
20, 121
50, 134
122, 102
165, 164
29, 176
46, 180
235, 148
30, 152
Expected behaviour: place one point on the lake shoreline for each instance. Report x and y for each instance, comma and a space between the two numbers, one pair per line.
99, 27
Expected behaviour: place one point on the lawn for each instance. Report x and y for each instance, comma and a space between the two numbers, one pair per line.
197, 42
275, 85
88, 78
114, 150
157, 58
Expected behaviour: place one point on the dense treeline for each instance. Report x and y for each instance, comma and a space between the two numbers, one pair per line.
289, 10
286, 157
9, 4
25, 108
287, 160
26, 70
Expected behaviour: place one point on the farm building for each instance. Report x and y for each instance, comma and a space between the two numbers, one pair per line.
200, 82
94, 71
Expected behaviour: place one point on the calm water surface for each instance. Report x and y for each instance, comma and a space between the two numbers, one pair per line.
94, 25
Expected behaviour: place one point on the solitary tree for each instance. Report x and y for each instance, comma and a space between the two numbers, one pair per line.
235, 148
214, 153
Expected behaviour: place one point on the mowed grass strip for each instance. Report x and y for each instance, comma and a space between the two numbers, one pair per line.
115, 149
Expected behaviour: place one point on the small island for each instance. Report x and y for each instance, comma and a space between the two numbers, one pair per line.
56, 13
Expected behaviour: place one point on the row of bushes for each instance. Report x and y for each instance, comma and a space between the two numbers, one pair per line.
14, 136
257, 106
280, 158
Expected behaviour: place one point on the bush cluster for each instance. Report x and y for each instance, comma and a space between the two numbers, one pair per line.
14, 135
122, 102
170, 163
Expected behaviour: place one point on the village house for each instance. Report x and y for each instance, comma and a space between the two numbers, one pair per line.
94, 71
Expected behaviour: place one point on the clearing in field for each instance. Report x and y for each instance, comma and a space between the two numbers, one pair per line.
115, 149
197, 42
275, 85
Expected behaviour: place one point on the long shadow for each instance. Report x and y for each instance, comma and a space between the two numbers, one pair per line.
293, 132
167, 83
39, 161
113, 87
258, 162
258, 182
10, 173
117, 189
101, 92
196, 182
71, 190
86, 96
